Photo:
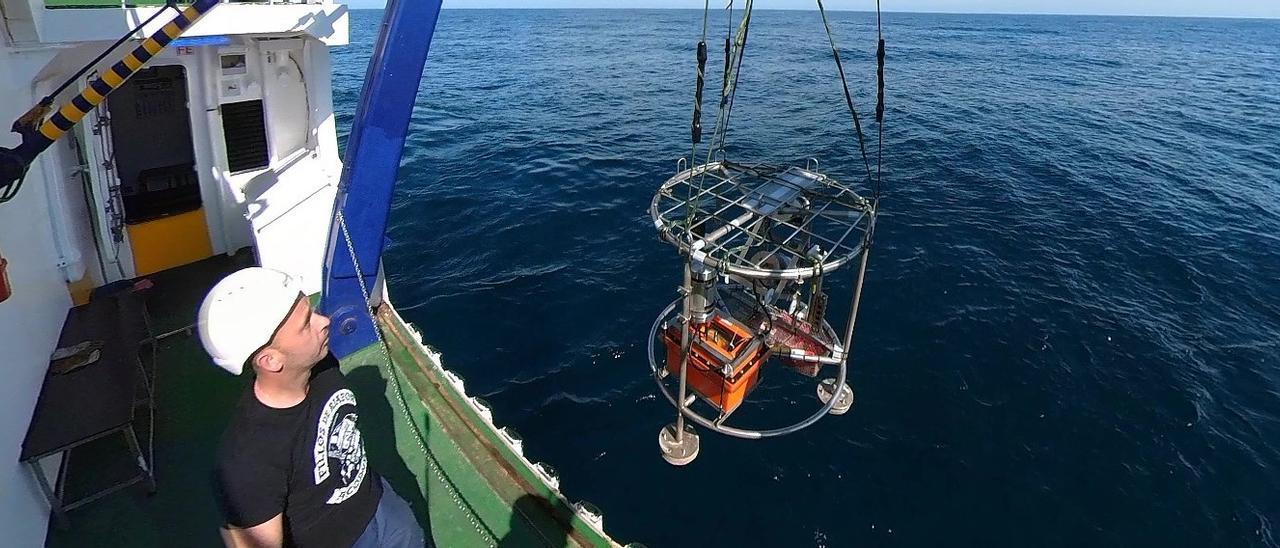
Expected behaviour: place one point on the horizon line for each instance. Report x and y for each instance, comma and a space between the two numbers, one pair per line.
1032, 13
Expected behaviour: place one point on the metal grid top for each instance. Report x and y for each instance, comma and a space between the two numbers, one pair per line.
762, 221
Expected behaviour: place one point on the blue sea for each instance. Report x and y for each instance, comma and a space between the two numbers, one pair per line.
1070, 333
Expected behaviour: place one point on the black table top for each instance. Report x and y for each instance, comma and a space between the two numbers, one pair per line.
98, 397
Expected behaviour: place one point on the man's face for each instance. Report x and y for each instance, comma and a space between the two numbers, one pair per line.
303, 338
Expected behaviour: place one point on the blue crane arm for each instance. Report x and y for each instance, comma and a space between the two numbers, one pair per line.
369, 171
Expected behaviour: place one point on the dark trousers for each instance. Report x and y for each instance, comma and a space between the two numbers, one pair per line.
393, 525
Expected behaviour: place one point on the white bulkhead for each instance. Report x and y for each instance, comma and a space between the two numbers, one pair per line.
225, 140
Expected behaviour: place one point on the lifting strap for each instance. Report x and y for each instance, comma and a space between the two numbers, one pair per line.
848, 98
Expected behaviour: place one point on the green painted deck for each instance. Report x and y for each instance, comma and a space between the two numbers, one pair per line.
469, 485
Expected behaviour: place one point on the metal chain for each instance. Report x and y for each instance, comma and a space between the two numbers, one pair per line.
471, 514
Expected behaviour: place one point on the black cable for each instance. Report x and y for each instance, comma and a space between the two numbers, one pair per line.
48, 99
721, 115
879, 68
755, 292
848, 97
733, 93
728, 35
696, 129
879, 104
724, 80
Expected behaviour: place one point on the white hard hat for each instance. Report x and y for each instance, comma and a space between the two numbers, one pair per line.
242, 312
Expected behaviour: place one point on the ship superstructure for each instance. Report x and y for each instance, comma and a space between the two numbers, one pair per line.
218, 150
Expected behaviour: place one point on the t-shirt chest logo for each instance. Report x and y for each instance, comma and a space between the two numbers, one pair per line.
338, 444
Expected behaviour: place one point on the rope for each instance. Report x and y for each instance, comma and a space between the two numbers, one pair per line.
739, 47
728, 91
696, 130
697, 110
733, 70
728, 32
848, 98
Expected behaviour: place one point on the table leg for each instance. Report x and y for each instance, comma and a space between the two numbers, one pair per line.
55, 502
132, 438
148, 385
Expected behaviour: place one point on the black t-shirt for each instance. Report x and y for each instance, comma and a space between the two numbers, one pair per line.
307, 461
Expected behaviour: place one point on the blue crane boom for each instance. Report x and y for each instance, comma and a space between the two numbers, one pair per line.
358, 229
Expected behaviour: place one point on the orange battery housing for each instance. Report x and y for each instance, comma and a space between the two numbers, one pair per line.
713, 344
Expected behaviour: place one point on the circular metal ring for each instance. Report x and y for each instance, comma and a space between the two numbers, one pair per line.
741, 198
729, 430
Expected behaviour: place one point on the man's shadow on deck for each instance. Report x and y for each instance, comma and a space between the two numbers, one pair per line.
377, 426
536, 521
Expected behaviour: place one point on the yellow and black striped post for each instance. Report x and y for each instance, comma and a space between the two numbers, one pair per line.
73, 111
14, 163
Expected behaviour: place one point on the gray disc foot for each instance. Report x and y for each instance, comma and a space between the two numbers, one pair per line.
678, 452
827, 388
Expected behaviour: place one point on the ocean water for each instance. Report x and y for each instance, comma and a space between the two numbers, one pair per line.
1070, 333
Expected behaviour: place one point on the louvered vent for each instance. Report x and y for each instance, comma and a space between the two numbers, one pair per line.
246, 136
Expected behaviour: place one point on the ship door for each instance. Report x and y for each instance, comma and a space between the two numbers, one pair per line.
154, 161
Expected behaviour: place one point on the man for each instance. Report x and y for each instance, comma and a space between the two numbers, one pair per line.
292, 469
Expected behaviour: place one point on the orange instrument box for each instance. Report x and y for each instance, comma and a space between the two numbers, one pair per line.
714, 344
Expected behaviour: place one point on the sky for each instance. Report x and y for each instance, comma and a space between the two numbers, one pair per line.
1209, 8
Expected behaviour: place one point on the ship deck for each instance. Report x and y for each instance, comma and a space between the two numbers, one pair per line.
471, 485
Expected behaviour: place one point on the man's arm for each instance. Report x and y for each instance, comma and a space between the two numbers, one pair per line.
269, 534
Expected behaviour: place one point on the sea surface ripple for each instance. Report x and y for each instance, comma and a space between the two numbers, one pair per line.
1070, 333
